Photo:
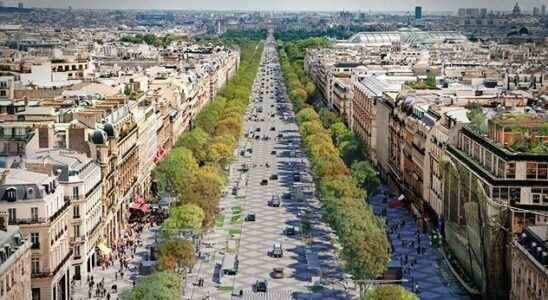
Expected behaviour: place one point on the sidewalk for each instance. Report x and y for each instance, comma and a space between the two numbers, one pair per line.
421, 263
80, 290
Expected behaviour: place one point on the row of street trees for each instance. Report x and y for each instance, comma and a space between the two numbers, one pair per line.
340, 166
194, 172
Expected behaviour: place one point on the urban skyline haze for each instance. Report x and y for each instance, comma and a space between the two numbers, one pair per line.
316, 5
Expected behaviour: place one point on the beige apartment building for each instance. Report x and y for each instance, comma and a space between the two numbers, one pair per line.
36, 203
15, 273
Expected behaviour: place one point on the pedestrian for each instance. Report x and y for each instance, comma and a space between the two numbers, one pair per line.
108, 296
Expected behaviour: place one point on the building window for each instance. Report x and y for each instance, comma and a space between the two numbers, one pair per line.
542, 171
35, 293
76, 211
34, 214
35, 266
511, 170
75, 192
531, 171
77, 231
77, 275
35, 240
11, 194
12, 216
76, 251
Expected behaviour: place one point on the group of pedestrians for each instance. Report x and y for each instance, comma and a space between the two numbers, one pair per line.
115, 267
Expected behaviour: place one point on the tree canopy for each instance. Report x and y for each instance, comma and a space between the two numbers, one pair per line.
389, 292
159, 285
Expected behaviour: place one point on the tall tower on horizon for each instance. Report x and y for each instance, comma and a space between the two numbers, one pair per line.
418, 12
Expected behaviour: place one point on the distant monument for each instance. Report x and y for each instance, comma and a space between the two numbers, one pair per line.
516, 10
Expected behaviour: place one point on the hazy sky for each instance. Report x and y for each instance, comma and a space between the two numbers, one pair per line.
332, 5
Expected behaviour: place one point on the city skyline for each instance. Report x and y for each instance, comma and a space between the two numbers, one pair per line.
284, 5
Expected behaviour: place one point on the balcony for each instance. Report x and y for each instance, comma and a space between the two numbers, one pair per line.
26, 221
60, 211
59, 266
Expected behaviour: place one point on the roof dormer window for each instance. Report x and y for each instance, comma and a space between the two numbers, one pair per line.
11, 194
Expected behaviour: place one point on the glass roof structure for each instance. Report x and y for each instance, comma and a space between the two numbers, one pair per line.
406, 37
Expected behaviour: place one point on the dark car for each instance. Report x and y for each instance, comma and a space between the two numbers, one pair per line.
291, 230
275, 202
278, 272
250, 217
280, 135
274, 177
273, 152
260, 286
264, 182
296, 177
272, 128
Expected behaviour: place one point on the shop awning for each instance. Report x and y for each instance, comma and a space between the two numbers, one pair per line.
140, 204
105, 250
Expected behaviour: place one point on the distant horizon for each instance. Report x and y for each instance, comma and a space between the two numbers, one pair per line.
376, 6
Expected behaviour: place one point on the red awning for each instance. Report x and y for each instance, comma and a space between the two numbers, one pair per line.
139, 204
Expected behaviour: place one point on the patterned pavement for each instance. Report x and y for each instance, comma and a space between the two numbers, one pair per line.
431, 274
81, 289
252, 241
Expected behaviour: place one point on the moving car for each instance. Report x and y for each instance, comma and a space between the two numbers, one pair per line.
250, 217
291, 230
277, 250
264, 182
275, 202
296, 177
278, 272
260, 286
274, 177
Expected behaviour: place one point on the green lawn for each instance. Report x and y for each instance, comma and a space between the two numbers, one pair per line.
234, 231
220, 220
225, 289
236, 219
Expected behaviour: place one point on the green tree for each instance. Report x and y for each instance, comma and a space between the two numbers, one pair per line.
196, 141
204, 190
352, 150
389, 292
160, 285
175, 255
339, 133
173, 172
186, 216
307, 115
431, 80
365, 175
477, 118
328, 117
